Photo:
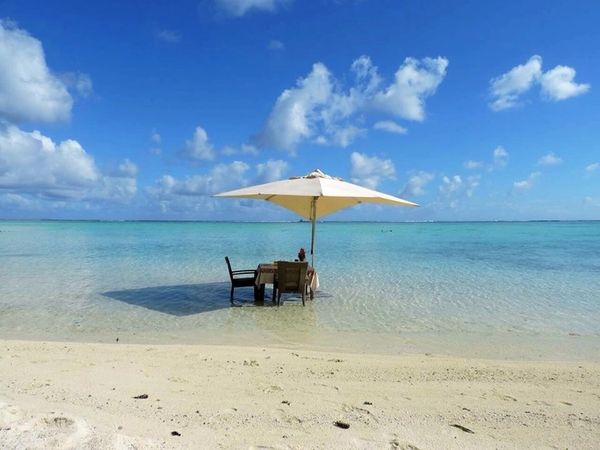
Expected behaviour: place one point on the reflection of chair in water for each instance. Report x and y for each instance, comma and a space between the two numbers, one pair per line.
291, 277
240, 278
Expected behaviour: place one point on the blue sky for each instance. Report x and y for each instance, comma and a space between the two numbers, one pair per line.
131, 110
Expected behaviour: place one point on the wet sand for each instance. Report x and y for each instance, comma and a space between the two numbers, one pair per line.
75, 395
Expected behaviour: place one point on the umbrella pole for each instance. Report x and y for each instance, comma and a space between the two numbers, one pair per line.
314, 225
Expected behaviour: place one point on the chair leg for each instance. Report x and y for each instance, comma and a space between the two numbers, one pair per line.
231, 295
303, 297
278, 298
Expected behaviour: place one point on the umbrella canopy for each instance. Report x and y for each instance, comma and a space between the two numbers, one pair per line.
315, 195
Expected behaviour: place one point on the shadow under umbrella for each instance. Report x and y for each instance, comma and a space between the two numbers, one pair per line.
183, 299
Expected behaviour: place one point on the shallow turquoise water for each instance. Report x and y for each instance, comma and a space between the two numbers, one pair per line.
446, 287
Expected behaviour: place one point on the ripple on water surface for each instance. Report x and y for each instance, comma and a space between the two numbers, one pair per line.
168, 281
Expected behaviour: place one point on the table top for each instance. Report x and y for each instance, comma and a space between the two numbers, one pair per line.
272, 267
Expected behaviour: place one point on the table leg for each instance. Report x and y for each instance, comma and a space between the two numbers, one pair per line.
259, 294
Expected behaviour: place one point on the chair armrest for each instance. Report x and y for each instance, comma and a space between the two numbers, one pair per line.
239, 272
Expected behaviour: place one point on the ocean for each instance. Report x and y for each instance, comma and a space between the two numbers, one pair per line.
494, 290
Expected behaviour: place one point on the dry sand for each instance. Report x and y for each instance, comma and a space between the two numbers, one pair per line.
68, 395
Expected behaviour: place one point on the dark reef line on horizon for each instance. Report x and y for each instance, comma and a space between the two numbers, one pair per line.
408, 222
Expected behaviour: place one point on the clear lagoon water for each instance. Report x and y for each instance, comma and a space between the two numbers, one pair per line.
506, 290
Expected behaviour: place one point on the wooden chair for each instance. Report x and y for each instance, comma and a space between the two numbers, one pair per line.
240, 278
291, 277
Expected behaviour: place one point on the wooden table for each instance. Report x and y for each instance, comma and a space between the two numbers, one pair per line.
266, 273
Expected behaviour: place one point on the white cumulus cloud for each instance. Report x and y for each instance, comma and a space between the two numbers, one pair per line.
472, 183
451, 184
198, 147
390, 126
319, 109
274, 44
558, 84
169, 36
527, 183
591, 201
244, 149
17, 201
191, 193
500, 156
549, 159
33, 165
507, 88
219, 178
591, 168
499, 161
271, 170
415, 80
369, 171
79, 82
29, 91
117, 187
294, 114
343, 136
238, 8
32, 162
415, 187
473, 165
458, 185
127, 169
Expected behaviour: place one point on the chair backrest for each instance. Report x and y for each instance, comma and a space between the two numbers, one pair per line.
229, 268
291, 276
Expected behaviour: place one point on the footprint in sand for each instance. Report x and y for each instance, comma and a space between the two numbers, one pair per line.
359, 414
22, 430
58, 422
395, 444
282, 416
270, 389
177, 380
222, 416
25, 430
335, 388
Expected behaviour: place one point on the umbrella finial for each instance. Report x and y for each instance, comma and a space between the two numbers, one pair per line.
318, 173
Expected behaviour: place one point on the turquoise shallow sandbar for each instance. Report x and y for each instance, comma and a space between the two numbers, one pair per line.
506, 290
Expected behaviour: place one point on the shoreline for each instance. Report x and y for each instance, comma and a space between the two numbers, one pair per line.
490, 346
218, 396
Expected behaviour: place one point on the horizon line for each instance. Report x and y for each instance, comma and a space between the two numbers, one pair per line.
296, 221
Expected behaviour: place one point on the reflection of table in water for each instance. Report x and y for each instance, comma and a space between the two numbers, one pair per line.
265, 274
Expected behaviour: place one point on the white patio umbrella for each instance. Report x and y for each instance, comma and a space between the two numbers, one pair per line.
315, 195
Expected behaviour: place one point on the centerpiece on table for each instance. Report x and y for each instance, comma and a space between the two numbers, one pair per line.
301, 255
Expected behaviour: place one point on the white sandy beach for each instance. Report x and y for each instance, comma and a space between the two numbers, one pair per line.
72, 395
